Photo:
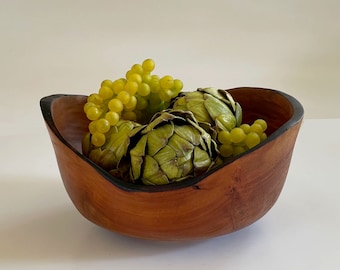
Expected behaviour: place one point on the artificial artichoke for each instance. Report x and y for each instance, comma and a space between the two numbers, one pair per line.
172, 147
211, 106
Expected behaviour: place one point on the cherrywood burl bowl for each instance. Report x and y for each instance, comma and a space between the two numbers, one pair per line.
226, 199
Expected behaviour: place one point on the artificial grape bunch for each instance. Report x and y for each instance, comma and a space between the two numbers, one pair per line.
136, 97
241, 138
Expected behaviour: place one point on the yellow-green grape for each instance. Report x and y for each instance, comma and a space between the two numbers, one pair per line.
124, 97
102, 125
88, 105
154, 84
118, 85
177, 87
137, 68
128, 74
261, 122
224, 137
131, 105
238, 150
252, 139
142, 103
135, 77
93, 113
246, 128
93, 127
166, 82
144, 90
107, 83
148, 65
165, 94
237, 135
129, 115
105, 92
256, 128
146, 78
226, 150
98, 139
263, 136
115, 105
95, 98
131, 87
112, 117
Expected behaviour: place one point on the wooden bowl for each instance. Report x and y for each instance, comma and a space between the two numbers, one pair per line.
226, 199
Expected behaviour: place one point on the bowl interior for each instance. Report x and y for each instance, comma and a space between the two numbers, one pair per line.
65, 117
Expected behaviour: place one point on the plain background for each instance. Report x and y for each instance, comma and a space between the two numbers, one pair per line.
50, 47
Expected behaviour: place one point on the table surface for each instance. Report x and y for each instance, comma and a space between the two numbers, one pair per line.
41, 229
50, 47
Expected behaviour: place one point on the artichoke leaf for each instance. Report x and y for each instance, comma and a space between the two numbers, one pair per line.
158, 138
166, 154
137, 156
189, 133
201, 159
215, 107
180, 145
152, 174
225, 122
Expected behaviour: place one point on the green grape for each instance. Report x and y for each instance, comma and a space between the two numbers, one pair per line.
144, 90
135, 77
131, 105
142, 103
93, 127
263, 136
105, 92
246, 128
131, 87
98, 139
148, 65
93, 113
118, 85
95, 98
124, 97
137, 68
146, 78
178, 86
226, 150
115, 105
238, 149
102, 125
165, 94
166, 82
154, 84
107, 83
129, 115
112, 117
128, 74
88, 105
262, 123
252, 139
224, 137
256, 128
237, 135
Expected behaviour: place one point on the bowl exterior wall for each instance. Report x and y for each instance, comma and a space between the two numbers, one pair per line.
230, 198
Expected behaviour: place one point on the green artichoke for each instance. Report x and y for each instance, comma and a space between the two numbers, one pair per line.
112, 156
171, 148
211, 106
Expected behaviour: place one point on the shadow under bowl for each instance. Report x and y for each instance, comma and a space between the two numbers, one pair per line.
226, 199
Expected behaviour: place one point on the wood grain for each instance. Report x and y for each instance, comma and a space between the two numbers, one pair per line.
228, 199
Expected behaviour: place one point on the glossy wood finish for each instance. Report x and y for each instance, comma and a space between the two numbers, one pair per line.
223, 201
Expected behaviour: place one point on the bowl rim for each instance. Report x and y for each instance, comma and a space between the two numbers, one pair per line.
46, 109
